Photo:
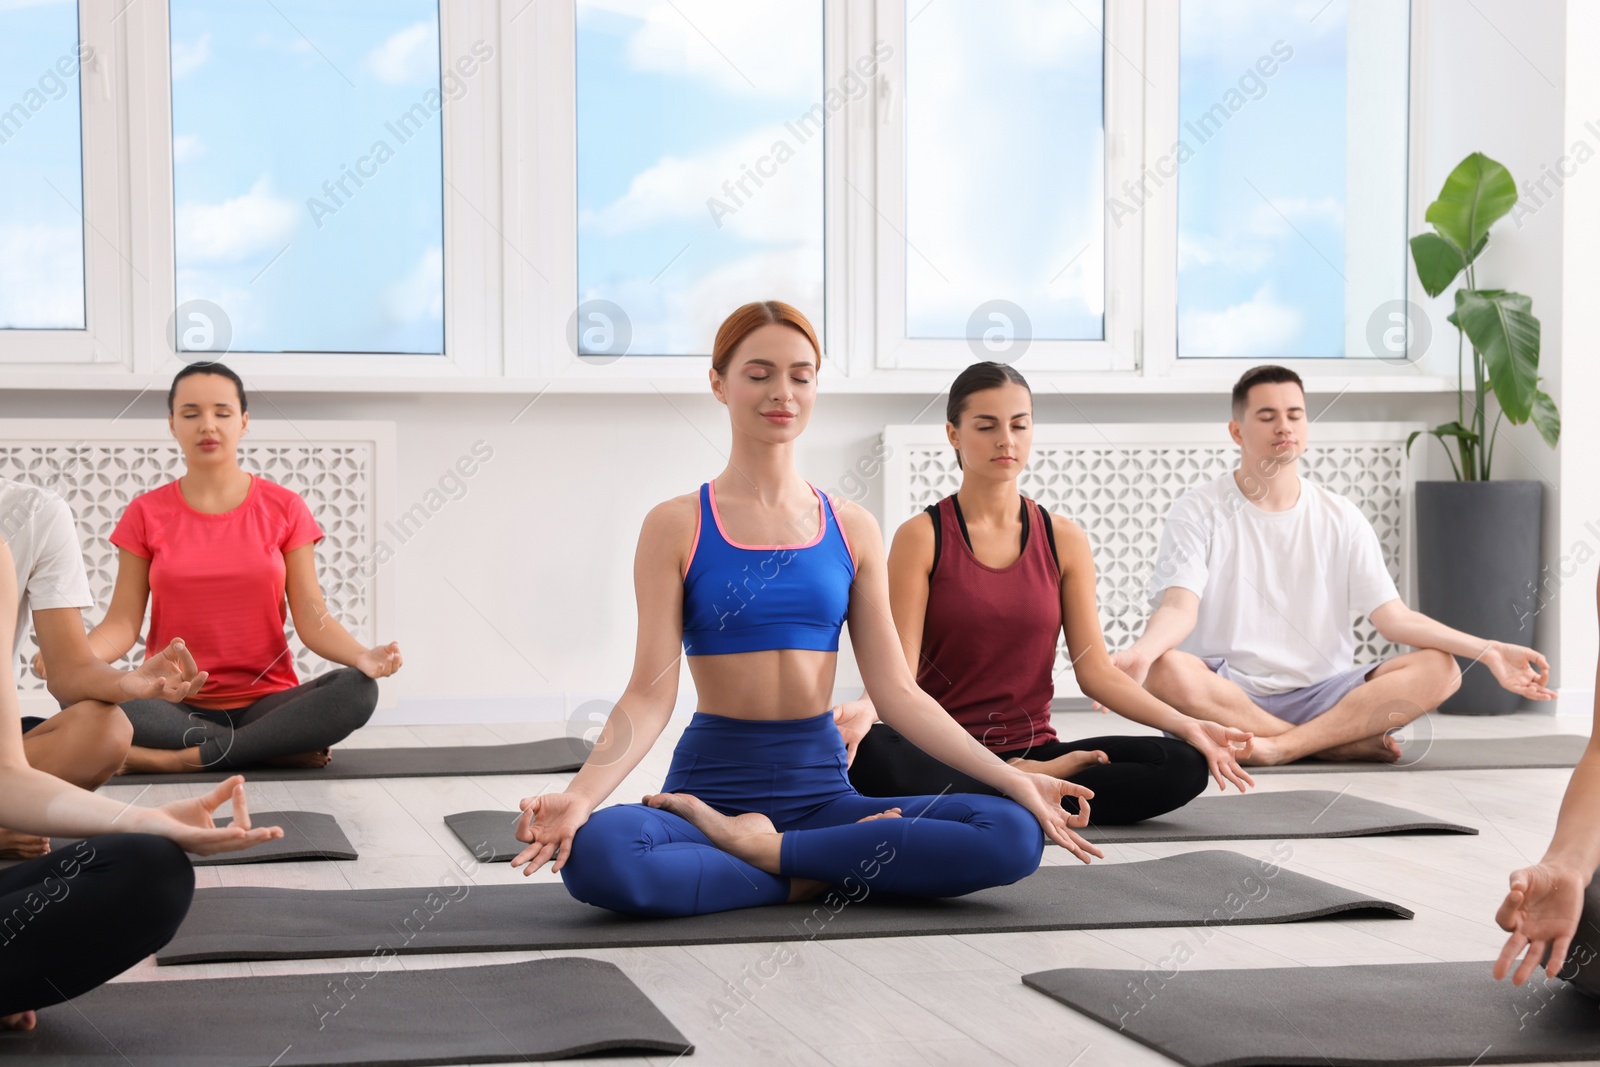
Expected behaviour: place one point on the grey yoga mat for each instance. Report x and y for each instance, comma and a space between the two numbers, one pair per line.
1400, 1013
307, 835
1458, 754
550, 756
1197, 888
371, 1016
1292, 813
490, 835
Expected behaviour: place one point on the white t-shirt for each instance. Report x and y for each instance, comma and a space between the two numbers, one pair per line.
1278, 590
38, 526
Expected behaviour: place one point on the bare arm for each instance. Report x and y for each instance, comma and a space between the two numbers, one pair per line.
1545, 904
1104, 683
916, 715
76, 673
910, 565
39, 803
1519, 669
319, 629
1172, 621
119, 630
549, 822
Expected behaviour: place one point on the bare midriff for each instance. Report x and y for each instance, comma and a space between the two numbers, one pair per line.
787, 683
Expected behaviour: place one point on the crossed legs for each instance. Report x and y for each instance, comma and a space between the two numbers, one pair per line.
1397, 691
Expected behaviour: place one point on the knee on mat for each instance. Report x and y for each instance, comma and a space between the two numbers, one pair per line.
604, 872
1187, 766
362, 697
1444, 666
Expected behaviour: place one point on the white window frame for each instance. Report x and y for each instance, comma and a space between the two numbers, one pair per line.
471, 213
1124, 104
102, 345
1161, 243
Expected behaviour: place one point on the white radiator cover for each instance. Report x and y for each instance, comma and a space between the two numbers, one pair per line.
1118, 482
343, 470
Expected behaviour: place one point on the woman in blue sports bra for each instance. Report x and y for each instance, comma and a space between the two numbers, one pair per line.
755, 575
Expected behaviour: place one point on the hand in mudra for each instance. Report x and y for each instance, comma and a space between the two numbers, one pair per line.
170, 674
380, 661
548, 824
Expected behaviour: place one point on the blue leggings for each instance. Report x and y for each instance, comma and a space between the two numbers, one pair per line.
640, 860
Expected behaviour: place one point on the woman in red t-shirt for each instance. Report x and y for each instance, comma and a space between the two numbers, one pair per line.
979, 618
215, 552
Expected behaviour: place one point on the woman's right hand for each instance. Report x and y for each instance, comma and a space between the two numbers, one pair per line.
190, 822
1042, 794
548, 823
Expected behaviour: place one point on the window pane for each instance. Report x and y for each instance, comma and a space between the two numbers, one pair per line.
41, 169
1275, 259
1005, 166
700, 163
307, 175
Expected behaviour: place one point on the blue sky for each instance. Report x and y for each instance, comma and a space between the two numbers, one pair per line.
266, 108
41, 222
674, 100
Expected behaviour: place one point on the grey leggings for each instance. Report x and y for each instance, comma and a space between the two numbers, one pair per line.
313, 715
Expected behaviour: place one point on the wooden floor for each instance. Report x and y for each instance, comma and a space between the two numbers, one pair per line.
936, 1000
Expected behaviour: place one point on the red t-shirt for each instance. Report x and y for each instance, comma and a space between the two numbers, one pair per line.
217, 582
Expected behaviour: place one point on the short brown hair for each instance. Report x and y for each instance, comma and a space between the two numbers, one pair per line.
1266, 374
751, 317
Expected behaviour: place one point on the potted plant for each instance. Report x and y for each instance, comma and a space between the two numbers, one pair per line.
1478, 540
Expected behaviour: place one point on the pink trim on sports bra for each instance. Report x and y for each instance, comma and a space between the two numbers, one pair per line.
822, 525
695, 545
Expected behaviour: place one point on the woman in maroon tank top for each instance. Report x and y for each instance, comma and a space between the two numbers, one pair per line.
979, 619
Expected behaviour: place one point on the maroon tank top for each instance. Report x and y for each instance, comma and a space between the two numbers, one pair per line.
989, 636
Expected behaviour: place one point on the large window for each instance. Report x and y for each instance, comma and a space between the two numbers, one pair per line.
700, 167
41, 169
308, 174
1291, 164
1004, 169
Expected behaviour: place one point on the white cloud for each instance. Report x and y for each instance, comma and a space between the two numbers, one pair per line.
785, 208
409, 57
187, 57
235, 229
419, 295
724, 42
1259, 328
41, 277
1275, 219
187, 147
1238, 32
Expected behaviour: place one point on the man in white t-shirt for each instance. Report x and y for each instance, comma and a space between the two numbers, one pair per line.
1255, 585
86, 741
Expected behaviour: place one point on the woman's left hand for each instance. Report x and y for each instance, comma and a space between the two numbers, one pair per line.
1223, 747
1042, 794
380, 661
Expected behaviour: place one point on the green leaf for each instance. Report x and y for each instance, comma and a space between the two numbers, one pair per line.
1438, 262
1476, 194
1448, 429
1546, 418
1502, 328
1478, 248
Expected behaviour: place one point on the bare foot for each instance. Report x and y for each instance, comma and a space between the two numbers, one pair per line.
313, 760
1379, 748
892, 813
1063, 766
22, 1020
1265, 752
750, 837
20, 846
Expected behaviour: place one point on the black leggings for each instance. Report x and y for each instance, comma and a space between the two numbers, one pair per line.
1146, 776
311, 716
70, 920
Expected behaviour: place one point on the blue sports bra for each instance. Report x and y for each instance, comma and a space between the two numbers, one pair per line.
752, 598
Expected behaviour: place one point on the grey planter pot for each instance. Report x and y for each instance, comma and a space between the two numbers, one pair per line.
1477, 565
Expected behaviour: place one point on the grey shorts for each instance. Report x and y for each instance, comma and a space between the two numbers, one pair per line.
1301, 705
